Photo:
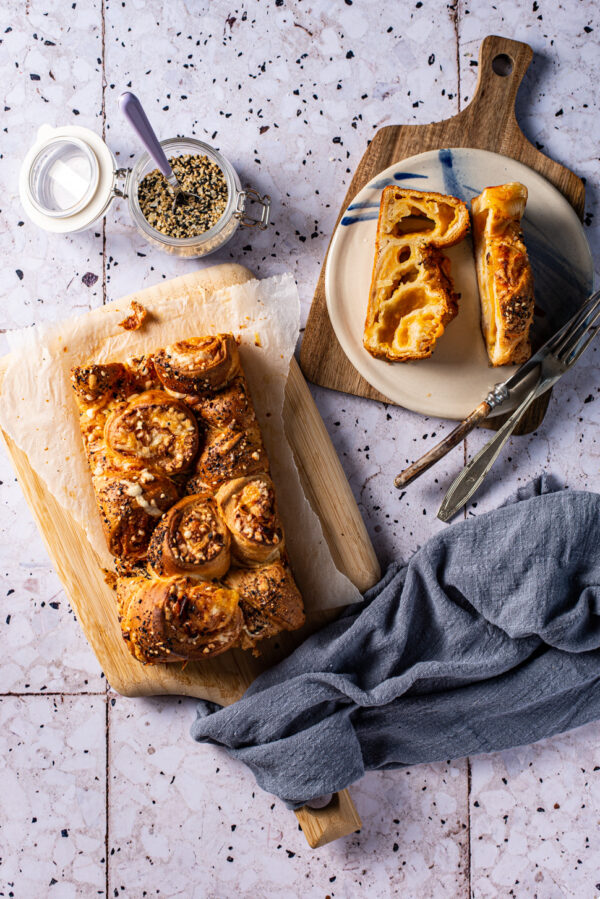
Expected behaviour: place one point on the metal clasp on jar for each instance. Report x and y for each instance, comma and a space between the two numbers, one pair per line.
240, 210
120, 190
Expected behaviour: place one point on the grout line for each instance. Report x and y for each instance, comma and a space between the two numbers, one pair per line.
456, 21
455, 15
103, 82
469, 826
55, 693
465, 460
107, 791
107, 689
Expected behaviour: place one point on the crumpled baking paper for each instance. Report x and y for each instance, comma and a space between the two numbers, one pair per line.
38, 410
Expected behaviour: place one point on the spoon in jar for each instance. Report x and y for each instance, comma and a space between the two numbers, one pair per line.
133, 111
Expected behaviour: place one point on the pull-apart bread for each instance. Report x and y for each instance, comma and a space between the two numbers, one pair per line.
503, 272
412, 297
188, 509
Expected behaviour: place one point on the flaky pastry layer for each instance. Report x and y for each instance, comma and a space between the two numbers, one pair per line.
504, 273
412, 298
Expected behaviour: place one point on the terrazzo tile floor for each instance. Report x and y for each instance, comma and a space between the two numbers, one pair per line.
106, 796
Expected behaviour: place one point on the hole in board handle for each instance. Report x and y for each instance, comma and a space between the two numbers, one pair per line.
502, 64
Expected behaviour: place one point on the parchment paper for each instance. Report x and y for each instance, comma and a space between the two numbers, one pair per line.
38, 411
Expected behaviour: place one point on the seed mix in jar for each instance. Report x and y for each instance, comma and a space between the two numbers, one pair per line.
196, 174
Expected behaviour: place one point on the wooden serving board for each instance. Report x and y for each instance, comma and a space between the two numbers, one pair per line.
224, 678
487, 123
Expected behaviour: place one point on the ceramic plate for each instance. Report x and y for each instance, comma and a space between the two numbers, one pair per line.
457, 376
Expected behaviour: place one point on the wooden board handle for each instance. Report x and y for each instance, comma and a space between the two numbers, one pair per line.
502, 65
323, 825
489, 121
326, 486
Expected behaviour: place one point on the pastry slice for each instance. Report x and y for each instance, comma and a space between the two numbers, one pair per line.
412, 297
503, 272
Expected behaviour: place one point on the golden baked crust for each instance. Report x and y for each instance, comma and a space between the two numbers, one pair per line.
270, 601
199, 364
503, 273
177, 619
181, 421
130, 503
191, 538
154, 429
412, 298
249, 508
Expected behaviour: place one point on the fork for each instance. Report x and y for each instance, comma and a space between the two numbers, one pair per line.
561, 352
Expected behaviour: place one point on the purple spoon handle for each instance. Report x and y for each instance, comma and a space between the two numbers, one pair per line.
133, 111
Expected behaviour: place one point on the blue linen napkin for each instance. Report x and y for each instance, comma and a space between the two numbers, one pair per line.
488, 638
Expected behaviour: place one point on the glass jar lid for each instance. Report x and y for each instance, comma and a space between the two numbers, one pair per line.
67, 179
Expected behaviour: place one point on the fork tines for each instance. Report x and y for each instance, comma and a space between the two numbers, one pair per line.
565, 344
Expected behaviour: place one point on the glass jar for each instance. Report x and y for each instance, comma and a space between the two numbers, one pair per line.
70, 177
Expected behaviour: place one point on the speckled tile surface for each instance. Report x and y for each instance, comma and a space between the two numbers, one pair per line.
416, 839
52, 803
290, 92
534, 818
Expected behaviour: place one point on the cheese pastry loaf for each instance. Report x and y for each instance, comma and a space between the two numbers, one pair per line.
503, 272
188, 508
412, 297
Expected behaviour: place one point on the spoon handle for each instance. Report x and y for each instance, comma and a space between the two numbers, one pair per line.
133, 111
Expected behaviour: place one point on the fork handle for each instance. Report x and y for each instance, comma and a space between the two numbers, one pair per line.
464, 486
444, 446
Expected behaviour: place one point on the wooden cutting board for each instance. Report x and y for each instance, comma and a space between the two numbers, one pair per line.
225, 678
487, 123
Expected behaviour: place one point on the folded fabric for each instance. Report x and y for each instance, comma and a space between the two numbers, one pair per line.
488, 638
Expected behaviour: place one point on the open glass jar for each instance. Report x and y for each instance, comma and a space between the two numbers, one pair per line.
70, 177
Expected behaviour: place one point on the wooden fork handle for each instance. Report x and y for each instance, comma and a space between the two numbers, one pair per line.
444, 446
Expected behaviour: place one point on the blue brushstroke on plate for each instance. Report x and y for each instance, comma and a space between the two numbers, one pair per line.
376, 185
451, 183
363, 206
560, 288
407, 176
399, 176
353, 219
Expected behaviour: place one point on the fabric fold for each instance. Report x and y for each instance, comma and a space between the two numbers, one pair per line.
488, 638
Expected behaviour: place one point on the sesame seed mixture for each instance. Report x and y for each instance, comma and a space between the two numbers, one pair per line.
255, 516
196, 174
198, 538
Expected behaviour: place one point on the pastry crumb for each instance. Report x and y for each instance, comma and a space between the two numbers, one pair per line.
110, 578
136, 319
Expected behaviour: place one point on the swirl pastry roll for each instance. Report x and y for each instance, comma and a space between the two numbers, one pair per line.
249, 508
178, 618
192, 367
191, 539
269, 599
229, 407
130, 504
227, 454
156, 429
96, 382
